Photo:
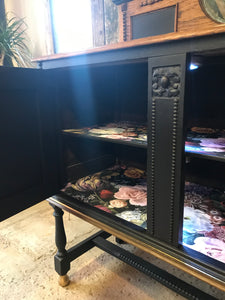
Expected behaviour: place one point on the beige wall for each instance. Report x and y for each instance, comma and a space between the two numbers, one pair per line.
36, 14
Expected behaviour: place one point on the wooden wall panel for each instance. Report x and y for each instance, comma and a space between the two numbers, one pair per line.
190, 17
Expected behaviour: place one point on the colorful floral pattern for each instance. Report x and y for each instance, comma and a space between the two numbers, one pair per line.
204, 220
137, 195
126, 131
122, 192
206, 141
214, 248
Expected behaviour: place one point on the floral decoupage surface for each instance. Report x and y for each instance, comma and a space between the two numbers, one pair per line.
199, 140
206, 141
204, 220
124, 130
122, 192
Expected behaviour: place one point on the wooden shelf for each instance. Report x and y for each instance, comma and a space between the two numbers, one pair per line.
193, 150
198, 152
124, 133
104, 139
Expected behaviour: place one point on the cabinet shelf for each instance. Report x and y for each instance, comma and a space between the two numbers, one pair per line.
138, 138
206, 143
125, 133
138, 144
200, 152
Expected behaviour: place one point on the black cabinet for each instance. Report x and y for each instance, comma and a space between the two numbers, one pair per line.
115, 137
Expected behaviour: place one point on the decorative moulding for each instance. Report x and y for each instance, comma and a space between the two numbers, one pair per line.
149, 2
118, 2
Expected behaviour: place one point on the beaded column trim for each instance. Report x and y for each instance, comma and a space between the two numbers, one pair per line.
153, 166
165, 85
124, 12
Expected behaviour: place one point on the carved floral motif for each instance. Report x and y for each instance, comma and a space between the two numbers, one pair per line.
166, 81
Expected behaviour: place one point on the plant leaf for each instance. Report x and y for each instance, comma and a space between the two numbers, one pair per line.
13, 40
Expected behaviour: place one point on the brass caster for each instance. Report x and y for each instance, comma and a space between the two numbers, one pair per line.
64, 280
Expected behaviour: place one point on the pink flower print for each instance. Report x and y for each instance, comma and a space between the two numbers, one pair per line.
67, 186
211, 247
118, 203
103, 208
217, 220
217, 232
137, 195
213, 143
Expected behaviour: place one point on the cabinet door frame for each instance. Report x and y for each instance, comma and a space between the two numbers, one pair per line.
29, 151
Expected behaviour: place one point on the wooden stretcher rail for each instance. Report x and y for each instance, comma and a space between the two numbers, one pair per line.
143, 246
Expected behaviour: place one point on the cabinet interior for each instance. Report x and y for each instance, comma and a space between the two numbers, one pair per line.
99, 101
205, 128
104, 125
103, 98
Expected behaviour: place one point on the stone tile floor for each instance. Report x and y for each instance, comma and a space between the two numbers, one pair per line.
26, 264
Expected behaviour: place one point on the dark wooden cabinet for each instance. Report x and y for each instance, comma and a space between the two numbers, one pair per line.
47, 115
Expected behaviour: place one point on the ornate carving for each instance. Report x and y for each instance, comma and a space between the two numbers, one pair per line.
148, 2
124, 12
166, 81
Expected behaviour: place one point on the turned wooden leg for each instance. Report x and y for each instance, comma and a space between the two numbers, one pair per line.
62, 263
64, 280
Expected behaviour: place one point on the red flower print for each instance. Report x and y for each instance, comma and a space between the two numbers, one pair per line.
106, 194
103, 208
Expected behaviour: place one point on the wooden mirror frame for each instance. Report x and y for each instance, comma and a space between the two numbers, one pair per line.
215, 10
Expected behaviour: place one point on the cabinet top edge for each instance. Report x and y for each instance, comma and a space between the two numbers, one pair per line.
166, 38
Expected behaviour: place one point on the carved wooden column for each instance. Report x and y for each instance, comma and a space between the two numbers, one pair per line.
123, 4
165, 160
124, 13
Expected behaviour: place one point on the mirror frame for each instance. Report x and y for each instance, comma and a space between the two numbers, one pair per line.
205, 6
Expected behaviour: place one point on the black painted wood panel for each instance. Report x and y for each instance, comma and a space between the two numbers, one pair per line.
28, 152
165, 161
156, 22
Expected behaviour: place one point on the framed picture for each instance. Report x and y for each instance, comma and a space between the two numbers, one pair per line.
214, 9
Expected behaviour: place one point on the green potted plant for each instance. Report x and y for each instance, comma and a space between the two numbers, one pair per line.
13, 47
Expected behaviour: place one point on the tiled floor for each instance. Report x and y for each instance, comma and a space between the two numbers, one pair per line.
27, 272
